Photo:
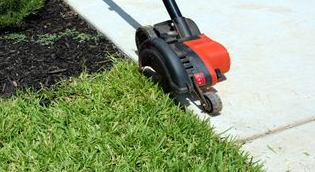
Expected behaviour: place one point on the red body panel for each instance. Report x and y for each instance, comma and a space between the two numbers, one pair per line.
213, 54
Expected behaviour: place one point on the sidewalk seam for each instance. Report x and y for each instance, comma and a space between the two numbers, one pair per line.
278, 130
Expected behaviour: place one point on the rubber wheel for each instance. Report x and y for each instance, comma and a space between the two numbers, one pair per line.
214, 103
149, 72
154, 69
143, 33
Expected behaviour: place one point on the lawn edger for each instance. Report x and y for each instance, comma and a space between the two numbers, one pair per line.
175, 54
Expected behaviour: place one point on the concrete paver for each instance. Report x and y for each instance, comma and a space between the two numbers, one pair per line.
271, 43
292, 150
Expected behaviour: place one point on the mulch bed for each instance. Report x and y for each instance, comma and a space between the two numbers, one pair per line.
30, 64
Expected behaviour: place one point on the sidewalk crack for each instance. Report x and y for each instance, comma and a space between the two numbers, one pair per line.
277, 130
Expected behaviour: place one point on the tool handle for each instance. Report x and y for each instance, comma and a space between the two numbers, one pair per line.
178, 19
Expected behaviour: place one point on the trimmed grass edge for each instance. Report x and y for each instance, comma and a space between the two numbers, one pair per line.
115, 120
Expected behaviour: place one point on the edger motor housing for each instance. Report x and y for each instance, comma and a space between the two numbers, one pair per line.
182, 59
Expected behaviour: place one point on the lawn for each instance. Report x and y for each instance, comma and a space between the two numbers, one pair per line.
111, 120
115, 120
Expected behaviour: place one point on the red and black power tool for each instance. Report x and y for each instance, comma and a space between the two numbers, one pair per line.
181, 59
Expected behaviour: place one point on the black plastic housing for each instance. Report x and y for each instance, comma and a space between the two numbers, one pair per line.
159, 55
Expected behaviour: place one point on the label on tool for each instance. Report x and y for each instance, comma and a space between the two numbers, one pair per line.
200, 79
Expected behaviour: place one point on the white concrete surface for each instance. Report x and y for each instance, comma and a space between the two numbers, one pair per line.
292, 150
271, 43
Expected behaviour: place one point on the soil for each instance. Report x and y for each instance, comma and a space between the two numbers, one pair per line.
29, 64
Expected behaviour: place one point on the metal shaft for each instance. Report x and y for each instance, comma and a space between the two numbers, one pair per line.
179, 21
172, 9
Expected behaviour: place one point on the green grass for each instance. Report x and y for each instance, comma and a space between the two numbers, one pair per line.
12, 12
112, 121
16, 38
50, 38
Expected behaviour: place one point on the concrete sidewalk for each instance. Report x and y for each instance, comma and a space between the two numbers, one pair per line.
269, 97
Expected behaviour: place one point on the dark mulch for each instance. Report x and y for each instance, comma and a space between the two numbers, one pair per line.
28, 64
